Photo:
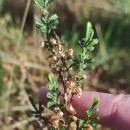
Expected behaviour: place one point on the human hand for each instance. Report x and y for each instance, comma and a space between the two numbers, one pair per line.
114, 109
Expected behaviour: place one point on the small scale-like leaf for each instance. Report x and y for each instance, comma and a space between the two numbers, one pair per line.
95, 118
95, 110
90, 60
50, 104
92, 67
50, 95
38, 23
94, 42
37, 2
88, 31
53, 17
48, 2
43, 29
91, 48
89, 112
50, 78
51, 87
95, 102
91, 35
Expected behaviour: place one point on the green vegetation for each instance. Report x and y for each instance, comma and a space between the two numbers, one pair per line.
62, 63
23, 70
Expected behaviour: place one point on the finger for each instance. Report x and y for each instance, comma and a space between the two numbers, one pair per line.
114, 109
111, 112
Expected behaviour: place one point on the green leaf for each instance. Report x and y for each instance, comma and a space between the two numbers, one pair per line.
91, 48
51, 87
89, 112
50, 95
53, 17
91, 35
50, 104
43, 29
50, 78
90, 60
95, 118
54, 24
95, 110
38, 23
48, 2
37, 2
91, 67
88, 31
94, 42
57, 90
95, 102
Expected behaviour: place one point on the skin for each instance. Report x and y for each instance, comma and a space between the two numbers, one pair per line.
114, 109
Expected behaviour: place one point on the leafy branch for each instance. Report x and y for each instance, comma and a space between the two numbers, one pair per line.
62, 63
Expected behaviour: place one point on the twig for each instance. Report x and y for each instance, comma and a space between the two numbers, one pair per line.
23, 22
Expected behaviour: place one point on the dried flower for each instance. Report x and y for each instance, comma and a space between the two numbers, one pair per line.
73, 118
89, 127
42, 44
60, 113
70, 109
70, 53
60, 47
78, 92
84, 76
54, 58
54, 42
70, 84
55, 122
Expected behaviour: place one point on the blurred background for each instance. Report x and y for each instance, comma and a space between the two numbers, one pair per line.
23, 68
